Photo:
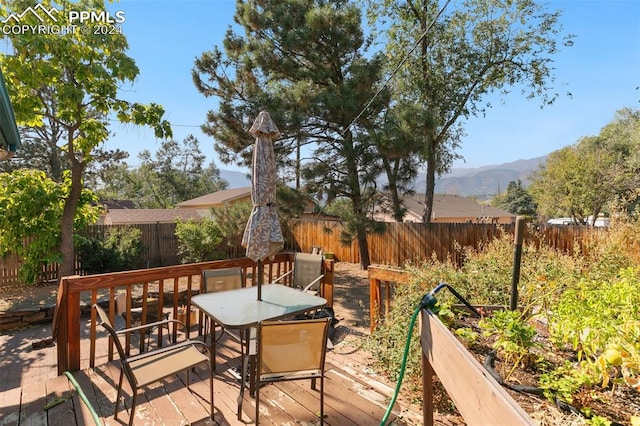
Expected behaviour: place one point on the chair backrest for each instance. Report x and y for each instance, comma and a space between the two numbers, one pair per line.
108, 325
286, 347
306, 268
222, 279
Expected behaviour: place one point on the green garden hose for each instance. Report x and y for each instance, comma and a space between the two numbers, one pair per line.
96, 417
427, 302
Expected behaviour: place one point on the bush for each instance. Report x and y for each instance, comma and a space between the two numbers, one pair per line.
589, 298
120, 250
199, 241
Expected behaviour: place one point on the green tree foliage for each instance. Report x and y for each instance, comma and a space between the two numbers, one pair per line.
343, 208
43, 149
480, 47
231, 219
291, 203
72, 80
119, 250
397, 144
31, 208
176, 173
516, 200
199, 240
303, 61
593, 175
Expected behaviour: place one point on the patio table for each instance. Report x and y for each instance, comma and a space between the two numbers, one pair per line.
240, 309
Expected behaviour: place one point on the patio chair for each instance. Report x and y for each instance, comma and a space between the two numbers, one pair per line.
150, 367
136, 319
291, 350
220, 280
307, 272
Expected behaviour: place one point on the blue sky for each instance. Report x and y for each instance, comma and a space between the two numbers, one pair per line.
601, 70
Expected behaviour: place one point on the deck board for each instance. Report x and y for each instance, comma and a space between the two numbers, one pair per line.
59, 396
10, 407
32, 402
354, 395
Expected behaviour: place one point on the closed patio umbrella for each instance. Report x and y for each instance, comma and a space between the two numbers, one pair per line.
262, 236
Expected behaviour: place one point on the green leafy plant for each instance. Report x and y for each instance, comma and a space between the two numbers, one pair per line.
588, 298
31, 210
563, 382
513, 338
199, 241
593, 314
119, 250
231, 219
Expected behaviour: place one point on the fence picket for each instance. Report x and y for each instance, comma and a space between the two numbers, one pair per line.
400, 242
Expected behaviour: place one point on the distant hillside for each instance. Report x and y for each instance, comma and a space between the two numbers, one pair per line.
235, 179
482, 182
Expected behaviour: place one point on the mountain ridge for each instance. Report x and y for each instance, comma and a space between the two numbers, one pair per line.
480, 182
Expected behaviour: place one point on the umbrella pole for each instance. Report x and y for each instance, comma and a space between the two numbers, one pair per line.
260, 278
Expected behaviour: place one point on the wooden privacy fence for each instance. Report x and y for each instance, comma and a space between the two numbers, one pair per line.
399, 243
160, 248
402, 242
160, 245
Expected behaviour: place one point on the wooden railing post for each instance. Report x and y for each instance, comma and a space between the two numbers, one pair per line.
375, 301
377, 275
60, 326
327, 281
73, 331
427, 391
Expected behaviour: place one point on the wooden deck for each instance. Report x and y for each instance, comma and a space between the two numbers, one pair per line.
354, 395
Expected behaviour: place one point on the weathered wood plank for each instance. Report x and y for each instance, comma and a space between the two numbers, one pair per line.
32, 404
105, 389
59, 400
272, 407
194, 403
10, 407
82, 412
478, 397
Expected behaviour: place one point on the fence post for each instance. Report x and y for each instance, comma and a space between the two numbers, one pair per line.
517, 257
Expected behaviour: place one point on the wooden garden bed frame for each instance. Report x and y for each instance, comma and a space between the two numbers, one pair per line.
480, 400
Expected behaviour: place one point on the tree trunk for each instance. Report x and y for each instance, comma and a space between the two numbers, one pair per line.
431, 184
392, 177
66, 231
361, 233
363, 246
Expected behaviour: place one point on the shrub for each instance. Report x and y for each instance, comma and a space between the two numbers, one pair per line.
120, 250
199, 241
589, 299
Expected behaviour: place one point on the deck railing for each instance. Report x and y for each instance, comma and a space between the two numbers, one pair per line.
165, 289
381, 281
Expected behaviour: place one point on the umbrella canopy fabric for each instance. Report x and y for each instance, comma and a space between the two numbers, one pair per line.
263, 236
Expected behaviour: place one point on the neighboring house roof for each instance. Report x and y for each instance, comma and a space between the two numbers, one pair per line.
455, 208
129, 216
216, 199
9, 136
118, 204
